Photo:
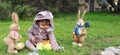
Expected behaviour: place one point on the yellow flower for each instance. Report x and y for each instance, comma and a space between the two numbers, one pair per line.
47, 46
20, 45
40, 46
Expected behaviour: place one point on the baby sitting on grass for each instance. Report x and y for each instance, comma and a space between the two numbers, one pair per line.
41, 31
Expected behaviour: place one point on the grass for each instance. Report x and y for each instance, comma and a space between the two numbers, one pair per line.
103, 32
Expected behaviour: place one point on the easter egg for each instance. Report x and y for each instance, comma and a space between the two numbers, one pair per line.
87, 24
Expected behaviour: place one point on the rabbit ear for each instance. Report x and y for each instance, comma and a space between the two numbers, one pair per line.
50, 14
79, 14
15, 17
83, 14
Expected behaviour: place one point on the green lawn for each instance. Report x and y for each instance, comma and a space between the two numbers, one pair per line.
104, 32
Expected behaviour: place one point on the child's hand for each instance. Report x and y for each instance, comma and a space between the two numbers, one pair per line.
33, 39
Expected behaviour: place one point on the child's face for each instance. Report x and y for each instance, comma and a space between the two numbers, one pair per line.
44, 24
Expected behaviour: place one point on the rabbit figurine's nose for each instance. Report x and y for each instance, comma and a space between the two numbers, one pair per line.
80, 24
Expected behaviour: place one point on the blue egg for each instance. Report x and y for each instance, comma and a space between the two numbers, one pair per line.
87, 24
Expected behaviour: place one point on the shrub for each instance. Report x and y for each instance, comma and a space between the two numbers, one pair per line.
5, 10
24, 10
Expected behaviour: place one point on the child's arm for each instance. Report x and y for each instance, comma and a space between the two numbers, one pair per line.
53, 41
30, 35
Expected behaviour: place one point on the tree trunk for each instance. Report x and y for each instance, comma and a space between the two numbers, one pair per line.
91, 5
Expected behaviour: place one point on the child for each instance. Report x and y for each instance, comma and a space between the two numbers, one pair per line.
42, 30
